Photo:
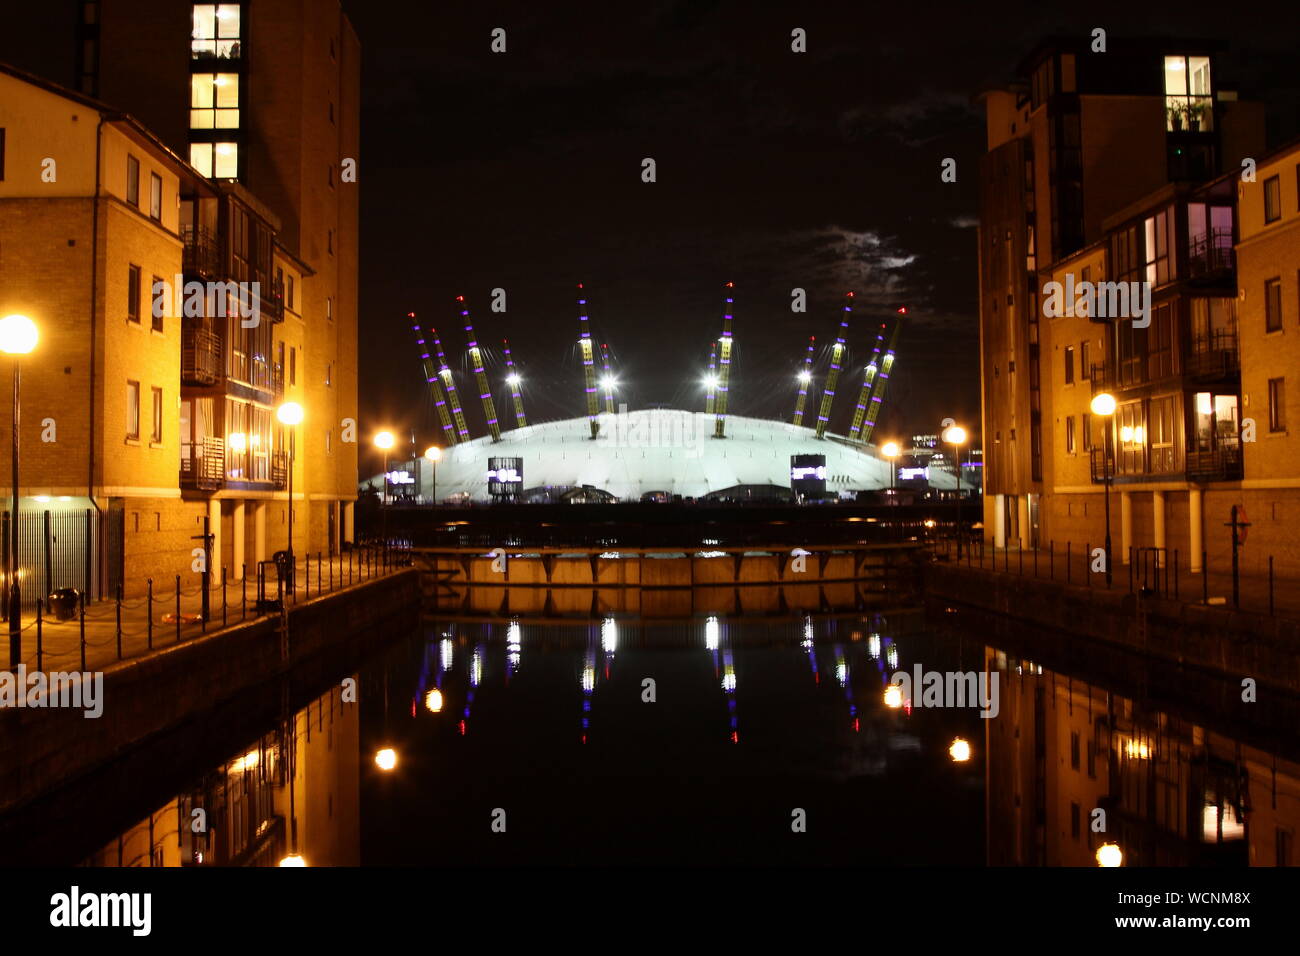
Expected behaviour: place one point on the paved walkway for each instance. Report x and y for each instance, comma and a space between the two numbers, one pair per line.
106, 642
1173, 582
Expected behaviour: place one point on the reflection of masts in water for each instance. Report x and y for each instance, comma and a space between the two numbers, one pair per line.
514, 649
718, 643
844, 676
810, 646
588, 683
475, 677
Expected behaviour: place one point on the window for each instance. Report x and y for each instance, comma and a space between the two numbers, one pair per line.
214, 101
329, 373
132, 180
1074, 750
1085, 361
1086, 428
1277, 404
1159, 263
216, 31
1161, 418
1069, 435
2, 154
158, 307
155, 196
1272, 199
288, 294
293, 366
1074, 813
330, 242
133, 411
157, 433
1069, 365
329, 308
216, 160
133, 294
1189, 97
1272, 305
329, 174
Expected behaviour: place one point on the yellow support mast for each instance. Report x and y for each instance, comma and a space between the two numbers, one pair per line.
513, 380
711, 381
805, 379
868, 380
724, 365
607, 381
480, 376
588, 361
449, 383
431, 376
882, 382
833, 377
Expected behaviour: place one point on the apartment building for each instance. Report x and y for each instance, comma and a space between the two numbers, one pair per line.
1110, 167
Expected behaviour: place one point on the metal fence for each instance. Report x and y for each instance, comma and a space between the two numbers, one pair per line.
58, 549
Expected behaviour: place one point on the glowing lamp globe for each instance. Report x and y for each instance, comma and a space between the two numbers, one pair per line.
893, 697
385, 441
1109, 854
433, 453
18, 335
386, 759
293, 859
1103, 404
890, 449
290, 413
433, 701
959, 751
954, 435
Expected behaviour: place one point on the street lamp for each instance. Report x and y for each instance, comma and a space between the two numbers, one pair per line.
1103, 404
290, 414
385, 441
955, 435
434, 454
891, 451
18, 337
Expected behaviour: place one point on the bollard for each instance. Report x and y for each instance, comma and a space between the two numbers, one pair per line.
39, 648
83, 633
1051, 560
223, 595
1087, 568
1130, 570
119, 620
1021, 552
306, 569
243, 587
1205, 579
1067, 562
318, 574
178, 609
332, 573
149, 609
1176, 574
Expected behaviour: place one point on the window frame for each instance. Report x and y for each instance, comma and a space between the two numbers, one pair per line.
132, 393
134, 280
156, 434
1277, 405
132, 180
155, 197
1276, 182
1273, 318
156, 322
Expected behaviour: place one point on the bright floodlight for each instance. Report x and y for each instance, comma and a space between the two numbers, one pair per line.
805, 376
386, 759
433, 701
954, 435
385, 441
960, 750
893, 696
608, 382
513, 379
293, 859
1103, 404
18, 335
290, 413
433, 453
890, 449
1109, 854
711, 381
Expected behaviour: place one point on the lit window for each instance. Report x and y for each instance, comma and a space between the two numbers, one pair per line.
133, 411
157, 436
155, 196
1277, 405
1272, 199
215, 160
214, 101
1189, 99
132, 180
1273, 305
216, 31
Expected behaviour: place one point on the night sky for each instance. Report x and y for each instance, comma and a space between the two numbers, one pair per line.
775, 170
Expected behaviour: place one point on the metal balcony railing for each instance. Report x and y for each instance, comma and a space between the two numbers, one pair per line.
1214, 356
1221, 463
200, 357
1102, 376
277, 379
272, 300
1210, 254
1097, 464
200, 252
279, 469
204, 466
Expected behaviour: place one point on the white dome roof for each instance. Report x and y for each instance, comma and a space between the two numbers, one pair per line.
656, 450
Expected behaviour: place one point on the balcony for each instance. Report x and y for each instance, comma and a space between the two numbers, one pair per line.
1102, 376
200, 252
277, 380
200, 357
280, 469
1214, 357
1210, 254
1097, 464
1222, 463
272, 304
203, 464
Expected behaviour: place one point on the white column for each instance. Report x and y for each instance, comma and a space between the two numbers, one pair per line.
259, 532
1158, 524
1195, 541
999, 521
214, 526
237, 540
1022, 524
1125, 525
348, 517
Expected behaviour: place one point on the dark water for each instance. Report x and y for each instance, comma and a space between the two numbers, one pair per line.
732, 742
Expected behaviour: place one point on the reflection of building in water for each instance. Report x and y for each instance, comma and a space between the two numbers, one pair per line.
1174, 793
242, 812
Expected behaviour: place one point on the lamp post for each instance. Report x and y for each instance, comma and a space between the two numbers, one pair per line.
18, 337
384, 440
1103, 404
891, 451
291, 414
433, 454
955, 435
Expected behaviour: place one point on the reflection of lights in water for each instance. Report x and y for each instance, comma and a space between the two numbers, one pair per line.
514, 647
386, 759
893, 696
475, 668
873, 646
841, 671
1109, 854
589, 678
960, 750
711, 631
446, 653
1233, 827
433, 701
1137, 749
608, 635
807, 631
892, 655
729, 679
609, 554
293, 859
245, 763
710, 554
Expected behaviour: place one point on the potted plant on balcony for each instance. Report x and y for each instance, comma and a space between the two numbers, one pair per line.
1196, 112
1175, 111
